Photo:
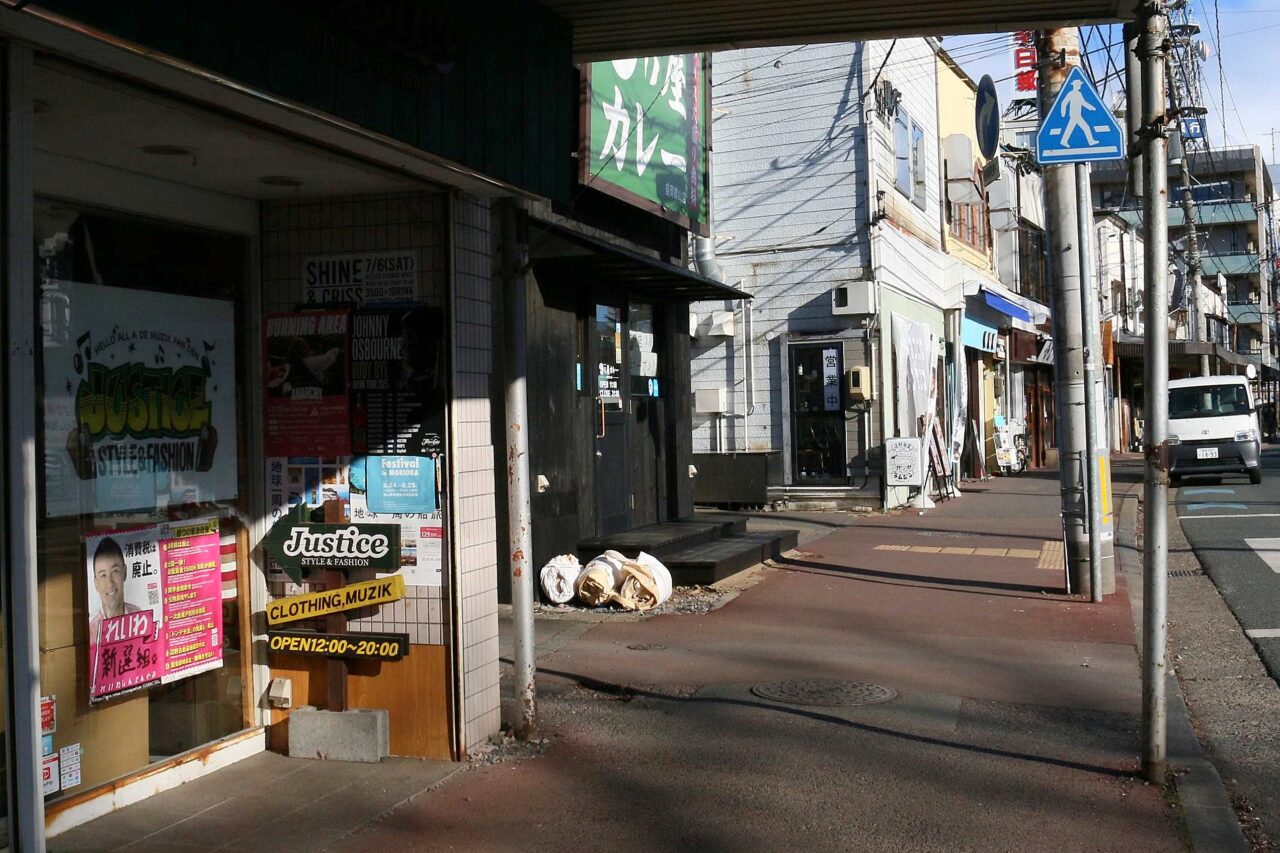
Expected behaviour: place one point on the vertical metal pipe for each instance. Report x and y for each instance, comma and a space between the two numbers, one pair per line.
519, 510
1093, 470
1133, 107
1154, 51
1068, 325
22, 638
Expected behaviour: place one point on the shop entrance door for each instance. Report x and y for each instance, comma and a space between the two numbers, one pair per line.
817, 418
613, 500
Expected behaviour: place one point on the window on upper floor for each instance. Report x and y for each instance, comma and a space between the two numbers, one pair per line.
969, 224
902, 151
917, 165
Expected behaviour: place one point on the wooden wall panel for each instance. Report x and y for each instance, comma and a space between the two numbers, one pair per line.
414, 690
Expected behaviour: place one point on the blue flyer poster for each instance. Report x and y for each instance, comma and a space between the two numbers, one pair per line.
401, 484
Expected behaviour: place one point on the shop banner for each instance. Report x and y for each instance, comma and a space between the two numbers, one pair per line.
915, 357
298, 546
307, 407
155, 606
369, 278
363, 646
646, 135
139, 400
350, 597
398, 384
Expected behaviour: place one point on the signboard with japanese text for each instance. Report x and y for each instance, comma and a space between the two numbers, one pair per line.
368, 278
831, 379
155, 605
646, 130
1025, 62
307, 406
139, 400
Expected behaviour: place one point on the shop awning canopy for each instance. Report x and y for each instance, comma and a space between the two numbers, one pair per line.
1005, 306
611, 265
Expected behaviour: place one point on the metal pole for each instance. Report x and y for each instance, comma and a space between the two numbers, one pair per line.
22, 590
1133, 107
1154, 50
1199, 322
1093, 470
519, 512
1068, 325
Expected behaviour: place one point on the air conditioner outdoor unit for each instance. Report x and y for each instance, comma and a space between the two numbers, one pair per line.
854, 297
710, 401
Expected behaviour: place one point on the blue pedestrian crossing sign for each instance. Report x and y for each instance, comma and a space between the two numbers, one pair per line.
1079, 128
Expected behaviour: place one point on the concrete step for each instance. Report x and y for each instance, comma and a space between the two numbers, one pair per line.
662, 539
709, 562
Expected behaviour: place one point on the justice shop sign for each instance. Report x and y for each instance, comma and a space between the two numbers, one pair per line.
139, 399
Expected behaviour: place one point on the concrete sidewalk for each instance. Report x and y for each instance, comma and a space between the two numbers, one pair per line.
1014, 727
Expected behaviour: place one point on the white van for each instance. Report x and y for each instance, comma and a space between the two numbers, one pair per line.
1213, 428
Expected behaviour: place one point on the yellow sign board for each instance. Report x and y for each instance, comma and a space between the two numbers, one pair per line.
350, 597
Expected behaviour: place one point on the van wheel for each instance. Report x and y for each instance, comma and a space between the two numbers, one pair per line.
1255, 476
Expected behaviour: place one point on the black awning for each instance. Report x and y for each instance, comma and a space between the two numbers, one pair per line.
558, 256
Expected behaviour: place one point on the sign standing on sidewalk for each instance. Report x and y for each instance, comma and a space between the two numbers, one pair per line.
1079, 128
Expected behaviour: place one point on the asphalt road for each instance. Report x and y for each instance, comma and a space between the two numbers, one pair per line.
1234, 528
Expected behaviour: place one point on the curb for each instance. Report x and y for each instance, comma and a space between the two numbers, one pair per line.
1206, 807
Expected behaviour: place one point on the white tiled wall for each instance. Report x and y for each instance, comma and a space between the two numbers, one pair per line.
473, 469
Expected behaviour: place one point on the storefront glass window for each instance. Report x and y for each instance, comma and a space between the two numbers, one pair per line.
142, 557
642, 351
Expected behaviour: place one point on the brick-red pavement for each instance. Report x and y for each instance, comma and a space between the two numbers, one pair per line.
1016, 727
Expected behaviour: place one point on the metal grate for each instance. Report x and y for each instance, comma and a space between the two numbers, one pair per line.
1186, 573
825, 692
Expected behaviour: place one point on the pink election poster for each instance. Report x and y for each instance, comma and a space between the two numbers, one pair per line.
155, 605
191, 566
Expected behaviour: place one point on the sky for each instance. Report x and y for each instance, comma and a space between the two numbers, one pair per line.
1250, 30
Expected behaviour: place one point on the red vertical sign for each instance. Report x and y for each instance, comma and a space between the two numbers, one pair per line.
1024, 61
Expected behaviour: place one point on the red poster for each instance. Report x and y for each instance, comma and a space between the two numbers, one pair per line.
191, 569
307, 407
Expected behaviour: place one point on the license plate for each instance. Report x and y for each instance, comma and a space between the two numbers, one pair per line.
1206, 453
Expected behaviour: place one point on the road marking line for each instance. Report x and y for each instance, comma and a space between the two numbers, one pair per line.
1025, 553
960, 551
1215, 505
925, 549
893, 547
1208, 490
1268, 550
1237, 515
990, 552
1262, 633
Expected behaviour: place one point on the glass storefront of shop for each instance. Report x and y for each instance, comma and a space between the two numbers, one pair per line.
142, 510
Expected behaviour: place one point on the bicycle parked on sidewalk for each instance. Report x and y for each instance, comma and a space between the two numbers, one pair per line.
1012, 448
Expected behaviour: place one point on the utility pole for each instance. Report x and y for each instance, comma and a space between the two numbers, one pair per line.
1153, 52
1197, 319
1067, 216
519, 514
1092, 351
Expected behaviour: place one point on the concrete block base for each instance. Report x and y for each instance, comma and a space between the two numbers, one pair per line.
361, 734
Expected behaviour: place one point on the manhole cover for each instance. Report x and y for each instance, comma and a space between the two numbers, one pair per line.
646, 647
824, 691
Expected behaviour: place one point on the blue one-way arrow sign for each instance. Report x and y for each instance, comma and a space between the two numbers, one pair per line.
1079, 128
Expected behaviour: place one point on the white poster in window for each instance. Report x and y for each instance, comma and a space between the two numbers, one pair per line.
368, 278
139, 400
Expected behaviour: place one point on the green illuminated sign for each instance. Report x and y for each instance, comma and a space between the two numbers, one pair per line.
646, 135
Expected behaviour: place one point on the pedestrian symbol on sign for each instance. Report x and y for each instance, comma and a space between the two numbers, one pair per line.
1078, 128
